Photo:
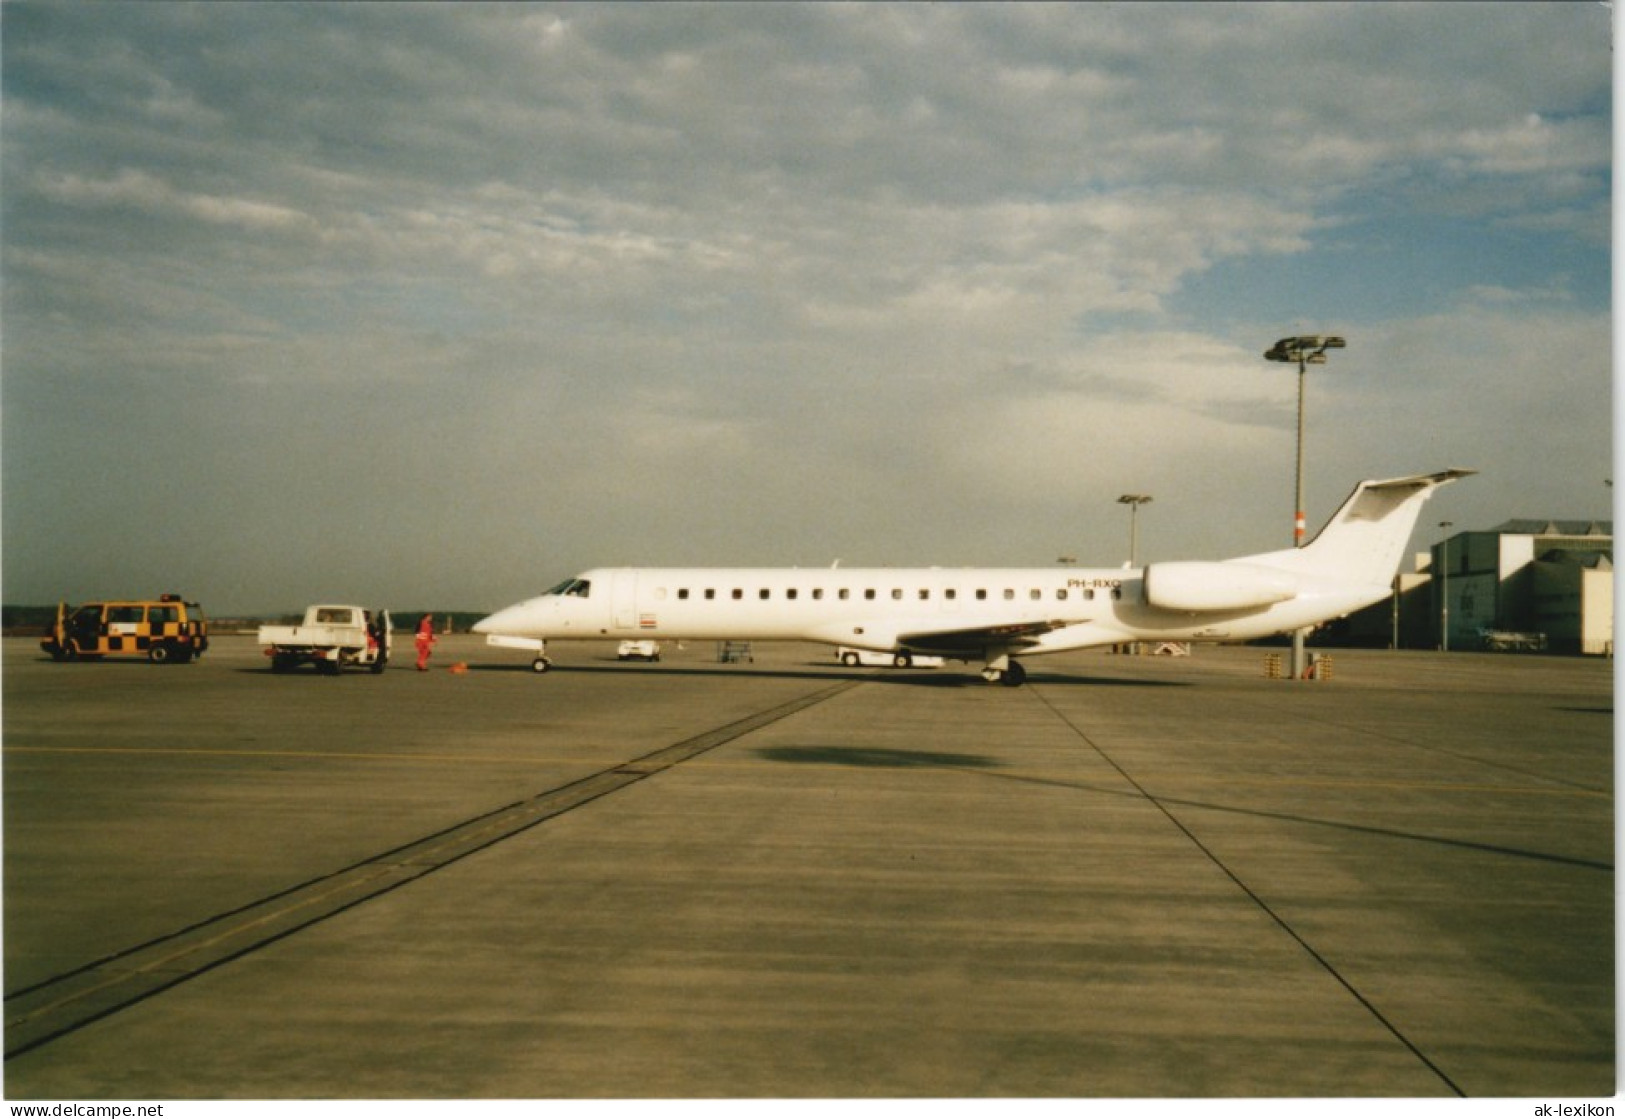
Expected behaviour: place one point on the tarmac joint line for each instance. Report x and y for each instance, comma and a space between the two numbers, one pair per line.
74, 999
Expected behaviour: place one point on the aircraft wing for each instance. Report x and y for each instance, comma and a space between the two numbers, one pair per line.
977, 639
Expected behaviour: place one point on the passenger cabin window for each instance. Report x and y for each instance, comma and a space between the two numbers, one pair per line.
710, 593
950, 593
738, 593
925, 594
818, 592
981, 595
1009, 594
843, 594
764, 593
790, 594
869, 594
682, 594
897, 593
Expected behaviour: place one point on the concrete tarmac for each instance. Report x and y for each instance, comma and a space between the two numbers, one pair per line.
1132, 877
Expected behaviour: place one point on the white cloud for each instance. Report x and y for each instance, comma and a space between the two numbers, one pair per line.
916, 282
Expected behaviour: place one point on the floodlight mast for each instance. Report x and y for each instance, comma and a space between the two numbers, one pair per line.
1306, 350
1133, 501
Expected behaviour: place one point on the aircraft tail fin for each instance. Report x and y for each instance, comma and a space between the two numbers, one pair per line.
1365, 539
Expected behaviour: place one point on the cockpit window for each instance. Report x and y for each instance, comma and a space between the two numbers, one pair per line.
578, 587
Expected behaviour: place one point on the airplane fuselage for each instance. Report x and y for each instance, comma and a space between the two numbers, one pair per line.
995, 615
898, 608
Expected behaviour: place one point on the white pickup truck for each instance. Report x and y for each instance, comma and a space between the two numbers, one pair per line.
332, 638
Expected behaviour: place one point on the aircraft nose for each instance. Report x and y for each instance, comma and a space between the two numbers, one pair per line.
505, 620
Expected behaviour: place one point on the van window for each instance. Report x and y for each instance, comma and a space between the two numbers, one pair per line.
125, 615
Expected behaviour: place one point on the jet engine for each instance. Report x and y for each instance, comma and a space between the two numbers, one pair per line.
1202, 587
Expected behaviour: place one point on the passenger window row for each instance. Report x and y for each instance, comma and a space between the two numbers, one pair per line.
897, 594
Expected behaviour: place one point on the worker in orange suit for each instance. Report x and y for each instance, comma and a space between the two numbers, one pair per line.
425, 641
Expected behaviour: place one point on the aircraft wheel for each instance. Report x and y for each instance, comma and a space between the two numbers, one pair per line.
902, 660
540, 664
850, 660
1014, 676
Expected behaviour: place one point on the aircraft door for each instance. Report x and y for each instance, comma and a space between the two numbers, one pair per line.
624, 600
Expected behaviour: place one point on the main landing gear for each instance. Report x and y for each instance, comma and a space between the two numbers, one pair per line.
1009, 673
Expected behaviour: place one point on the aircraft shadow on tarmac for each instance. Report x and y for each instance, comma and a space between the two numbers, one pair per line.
872, 758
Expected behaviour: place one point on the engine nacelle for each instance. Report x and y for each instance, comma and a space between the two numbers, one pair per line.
1202, 587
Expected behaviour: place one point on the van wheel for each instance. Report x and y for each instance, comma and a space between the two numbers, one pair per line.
160, 654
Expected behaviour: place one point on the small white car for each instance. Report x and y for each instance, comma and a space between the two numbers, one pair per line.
638, 651
902, 658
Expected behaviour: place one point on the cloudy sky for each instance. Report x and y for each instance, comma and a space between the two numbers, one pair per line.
433, 305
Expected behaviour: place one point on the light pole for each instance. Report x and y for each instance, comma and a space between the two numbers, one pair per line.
1133, 501
1444, 586
1306, 350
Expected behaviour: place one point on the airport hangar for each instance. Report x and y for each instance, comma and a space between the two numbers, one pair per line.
1550, 582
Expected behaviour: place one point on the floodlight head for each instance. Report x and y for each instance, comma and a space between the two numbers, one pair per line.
1309, 349
1134, 499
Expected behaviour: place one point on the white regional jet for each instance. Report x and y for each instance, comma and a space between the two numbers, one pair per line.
992, 615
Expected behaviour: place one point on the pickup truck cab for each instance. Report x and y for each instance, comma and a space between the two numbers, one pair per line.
332, 638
